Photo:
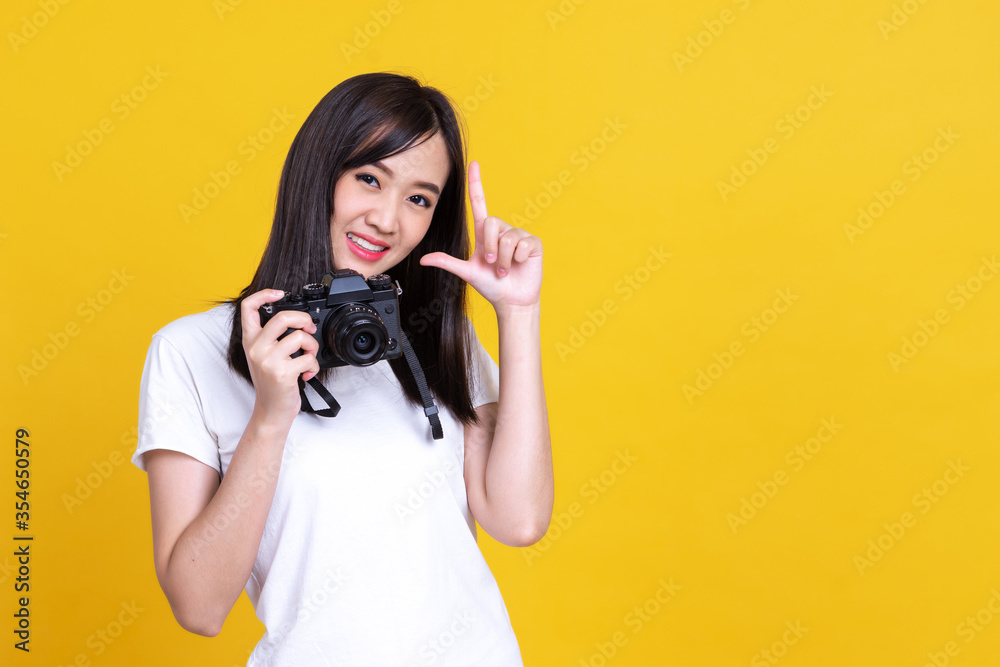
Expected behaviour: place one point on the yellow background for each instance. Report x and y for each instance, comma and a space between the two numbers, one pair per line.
539, 82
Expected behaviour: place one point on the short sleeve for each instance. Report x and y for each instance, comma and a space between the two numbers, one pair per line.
484, 374
171, 414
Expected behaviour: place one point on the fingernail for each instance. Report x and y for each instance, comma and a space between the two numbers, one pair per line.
501, 272
278, 292
490, 257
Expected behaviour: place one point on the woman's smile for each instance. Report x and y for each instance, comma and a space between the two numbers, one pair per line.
365, 247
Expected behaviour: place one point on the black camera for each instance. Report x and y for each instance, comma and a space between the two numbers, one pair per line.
357, 324
357, 320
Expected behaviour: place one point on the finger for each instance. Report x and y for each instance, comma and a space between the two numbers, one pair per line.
297, 341
274, 344
287, 319
491, 237
530, 246
249, 310
313, 367
450, 264
287, 372
477, 197
505, 253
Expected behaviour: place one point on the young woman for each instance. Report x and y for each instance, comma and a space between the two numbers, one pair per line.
355, 536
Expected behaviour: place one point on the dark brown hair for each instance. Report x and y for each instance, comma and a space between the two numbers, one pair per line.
364, 119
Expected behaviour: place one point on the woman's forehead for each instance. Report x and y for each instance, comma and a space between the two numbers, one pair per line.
425, 162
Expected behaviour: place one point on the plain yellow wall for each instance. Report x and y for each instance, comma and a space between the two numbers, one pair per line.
771, 306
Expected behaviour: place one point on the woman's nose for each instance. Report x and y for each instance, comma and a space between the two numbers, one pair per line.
384, 215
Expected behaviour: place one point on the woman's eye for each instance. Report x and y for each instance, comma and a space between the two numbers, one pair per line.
420, 200
367, 178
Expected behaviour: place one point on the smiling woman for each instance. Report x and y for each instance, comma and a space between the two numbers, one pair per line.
249, 492
380, 217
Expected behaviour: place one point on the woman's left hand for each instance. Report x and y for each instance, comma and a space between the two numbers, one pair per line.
506, 263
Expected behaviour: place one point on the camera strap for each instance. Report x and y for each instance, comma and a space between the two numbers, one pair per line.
425, 393
430, 409
331, 411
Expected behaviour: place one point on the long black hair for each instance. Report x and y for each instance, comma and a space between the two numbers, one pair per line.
365, 119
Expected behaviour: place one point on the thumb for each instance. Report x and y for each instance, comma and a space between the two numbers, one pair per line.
445, 261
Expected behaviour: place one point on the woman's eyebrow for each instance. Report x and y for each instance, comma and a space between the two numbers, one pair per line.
420, 184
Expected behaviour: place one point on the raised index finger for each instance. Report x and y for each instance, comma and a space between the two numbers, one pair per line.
477, 197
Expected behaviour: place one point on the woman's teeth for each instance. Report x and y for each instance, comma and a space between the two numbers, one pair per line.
370, 247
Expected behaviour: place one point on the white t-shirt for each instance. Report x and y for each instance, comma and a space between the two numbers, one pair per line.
369, 554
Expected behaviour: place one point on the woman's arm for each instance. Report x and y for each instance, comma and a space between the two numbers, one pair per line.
508, 460
508, 455
206, 532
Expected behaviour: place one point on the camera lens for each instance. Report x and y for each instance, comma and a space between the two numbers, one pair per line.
356, 335
364, 342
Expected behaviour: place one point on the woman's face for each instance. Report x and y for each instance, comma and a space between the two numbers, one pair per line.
381, 211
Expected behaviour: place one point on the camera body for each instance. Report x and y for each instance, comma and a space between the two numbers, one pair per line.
357, 320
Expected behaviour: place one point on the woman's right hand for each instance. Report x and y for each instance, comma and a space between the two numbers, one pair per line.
274, 372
